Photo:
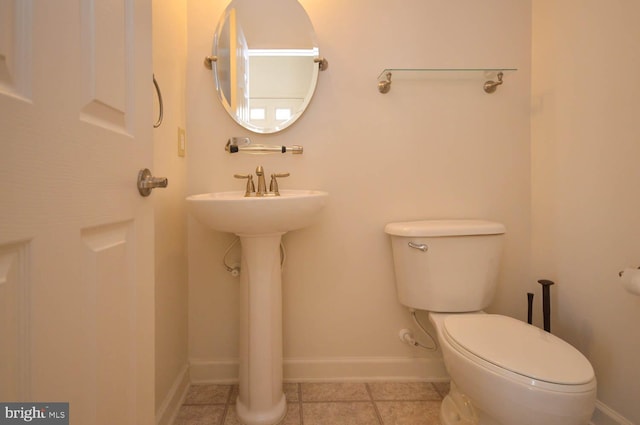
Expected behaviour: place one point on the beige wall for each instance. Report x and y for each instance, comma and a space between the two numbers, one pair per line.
169, 59
431, 148
586, 145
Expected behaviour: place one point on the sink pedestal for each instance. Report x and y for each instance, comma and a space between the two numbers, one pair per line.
261, 400
260, 222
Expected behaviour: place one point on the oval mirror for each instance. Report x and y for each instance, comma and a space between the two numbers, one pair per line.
265, 67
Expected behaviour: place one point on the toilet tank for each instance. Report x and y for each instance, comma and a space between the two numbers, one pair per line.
446, 265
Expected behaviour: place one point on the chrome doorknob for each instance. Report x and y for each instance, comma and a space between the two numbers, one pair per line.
146, 182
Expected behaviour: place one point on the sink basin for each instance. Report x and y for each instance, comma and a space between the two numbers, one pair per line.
232, 212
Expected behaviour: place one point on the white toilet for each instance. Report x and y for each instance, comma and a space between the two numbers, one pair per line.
503, 371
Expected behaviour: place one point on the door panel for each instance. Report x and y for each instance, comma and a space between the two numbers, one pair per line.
15, 47
14, 317
109, 279
106, 43
76, 238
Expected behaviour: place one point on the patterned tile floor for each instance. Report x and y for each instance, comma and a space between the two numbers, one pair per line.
375, 403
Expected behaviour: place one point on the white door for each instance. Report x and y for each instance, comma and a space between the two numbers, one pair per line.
76, 238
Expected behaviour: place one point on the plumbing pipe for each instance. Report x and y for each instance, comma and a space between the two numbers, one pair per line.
546, 303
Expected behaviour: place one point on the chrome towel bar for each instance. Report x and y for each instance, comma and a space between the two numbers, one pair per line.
243, 144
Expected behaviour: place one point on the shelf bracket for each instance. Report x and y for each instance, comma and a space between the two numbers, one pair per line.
385, 85
491, 86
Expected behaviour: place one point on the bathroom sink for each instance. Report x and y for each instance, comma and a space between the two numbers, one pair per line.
260, 223
233, 212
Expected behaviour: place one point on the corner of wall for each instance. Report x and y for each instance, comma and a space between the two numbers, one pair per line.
169, 68
170, 405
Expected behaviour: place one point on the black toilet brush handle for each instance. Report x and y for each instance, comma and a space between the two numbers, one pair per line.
530, 307
546, 303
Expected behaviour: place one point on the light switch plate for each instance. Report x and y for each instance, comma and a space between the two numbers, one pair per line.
182, 141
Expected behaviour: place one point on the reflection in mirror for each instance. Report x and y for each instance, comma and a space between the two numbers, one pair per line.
265, 69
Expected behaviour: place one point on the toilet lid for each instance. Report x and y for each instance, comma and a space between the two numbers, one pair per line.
519, 347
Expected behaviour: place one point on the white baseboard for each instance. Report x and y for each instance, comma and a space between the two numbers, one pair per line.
604, 415
204, 371
168, 410
352, 369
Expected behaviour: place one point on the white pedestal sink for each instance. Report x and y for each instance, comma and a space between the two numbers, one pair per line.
260, 222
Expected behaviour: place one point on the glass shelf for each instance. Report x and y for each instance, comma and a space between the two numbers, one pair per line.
492, 76
445, 72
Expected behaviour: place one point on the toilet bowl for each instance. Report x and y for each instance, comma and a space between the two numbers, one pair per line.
503, 371
512, 373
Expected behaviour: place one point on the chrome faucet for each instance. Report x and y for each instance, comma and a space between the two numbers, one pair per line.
262, 184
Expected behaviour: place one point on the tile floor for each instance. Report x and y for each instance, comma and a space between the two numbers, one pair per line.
375, 403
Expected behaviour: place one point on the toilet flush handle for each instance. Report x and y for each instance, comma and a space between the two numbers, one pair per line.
422, 247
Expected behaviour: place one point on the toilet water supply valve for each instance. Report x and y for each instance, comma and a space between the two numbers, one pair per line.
406, 335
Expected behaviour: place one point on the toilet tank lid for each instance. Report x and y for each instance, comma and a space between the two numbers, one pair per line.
443, 228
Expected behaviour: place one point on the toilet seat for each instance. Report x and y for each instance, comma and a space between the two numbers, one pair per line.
513, 348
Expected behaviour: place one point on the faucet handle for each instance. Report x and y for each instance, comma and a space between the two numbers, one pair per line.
250, 186
273, 186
